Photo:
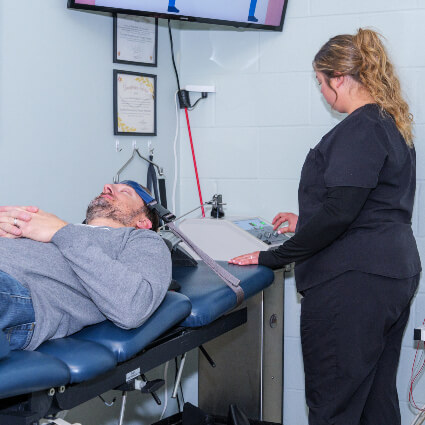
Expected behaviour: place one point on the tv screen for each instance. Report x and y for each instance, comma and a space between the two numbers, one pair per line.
260, 14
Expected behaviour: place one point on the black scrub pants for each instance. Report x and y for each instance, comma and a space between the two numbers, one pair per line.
351, 332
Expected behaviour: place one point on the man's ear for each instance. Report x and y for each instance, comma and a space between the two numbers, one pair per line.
144, 223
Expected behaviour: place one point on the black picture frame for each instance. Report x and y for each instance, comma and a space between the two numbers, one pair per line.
118, 124
115, 55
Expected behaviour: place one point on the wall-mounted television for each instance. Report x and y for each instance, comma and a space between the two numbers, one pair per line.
259, 14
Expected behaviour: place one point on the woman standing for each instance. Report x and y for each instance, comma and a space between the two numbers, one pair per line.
357, 263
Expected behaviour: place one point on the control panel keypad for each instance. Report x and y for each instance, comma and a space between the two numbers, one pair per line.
261, 230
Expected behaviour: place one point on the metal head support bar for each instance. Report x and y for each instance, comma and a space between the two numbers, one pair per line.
136, 152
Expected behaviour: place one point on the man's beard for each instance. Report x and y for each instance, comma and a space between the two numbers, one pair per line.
100, 207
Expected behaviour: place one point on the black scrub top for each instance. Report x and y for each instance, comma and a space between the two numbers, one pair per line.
364, 150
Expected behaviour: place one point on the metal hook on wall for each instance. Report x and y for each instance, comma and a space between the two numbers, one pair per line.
150, 148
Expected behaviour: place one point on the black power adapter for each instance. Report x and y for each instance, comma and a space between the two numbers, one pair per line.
184, 99
419, 334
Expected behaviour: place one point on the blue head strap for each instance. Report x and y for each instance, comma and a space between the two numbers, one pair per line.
139, 190
164, 214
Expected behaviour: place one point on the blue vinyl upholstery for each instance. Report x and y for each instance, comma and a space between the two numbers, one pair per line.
210, 296
87, 353
125, 344
203, 298
24, 372
84, 359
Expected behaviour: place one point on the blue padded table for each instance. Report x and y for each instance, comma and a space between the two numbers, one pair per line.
210, 296
85, 355
104, 357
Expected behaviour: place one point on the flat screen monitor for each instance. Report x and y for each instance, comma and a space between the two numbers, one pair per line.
260, 14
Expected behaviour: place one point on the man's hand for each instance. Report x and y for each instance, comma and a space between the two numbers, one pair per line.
246, 259
29, 222
42, 226
11, 218
280, 218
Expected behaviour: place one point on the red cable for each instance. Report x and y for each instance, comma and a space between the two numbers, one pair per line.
194, 163
413, 379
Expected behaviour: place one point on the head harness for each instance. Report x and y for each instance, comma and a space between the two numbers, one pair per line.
164, 214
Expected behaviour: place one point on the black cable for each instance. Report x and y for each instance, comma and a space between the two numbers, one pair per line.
183, 94
193, 106
172, 55
106, 403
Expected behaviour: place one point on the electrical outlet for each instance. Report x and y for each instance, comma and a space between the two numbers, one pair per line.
200, 89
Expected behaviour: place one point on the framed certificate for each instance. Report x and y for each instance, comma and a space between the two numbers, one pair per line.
134, 104
135, 40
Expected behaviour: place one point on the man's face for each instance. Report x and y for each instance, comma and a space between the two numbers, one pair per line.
118, 202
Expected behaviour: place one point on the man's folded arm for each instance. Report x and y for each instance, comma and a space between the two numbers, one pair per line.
128, 289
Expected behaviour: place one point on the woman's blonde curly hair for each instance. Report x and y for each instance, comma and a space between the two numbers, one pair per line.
363, 57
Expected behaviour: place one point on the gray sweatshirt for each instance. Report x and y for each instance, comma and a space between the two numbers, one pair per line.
88, 274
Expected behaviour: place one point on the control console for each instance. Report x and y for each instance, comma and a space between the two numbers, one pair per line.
261, 230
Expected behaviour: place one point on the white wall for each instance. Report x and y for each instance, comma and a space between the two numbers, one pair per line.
57, 147
251, 138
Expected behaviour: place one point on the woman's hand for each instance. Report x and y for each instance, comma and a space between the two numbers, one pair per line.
246, 259
280, 218
11, 219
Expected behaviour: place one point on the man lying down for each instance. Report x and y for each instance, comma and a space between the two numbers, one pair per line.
56, 277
